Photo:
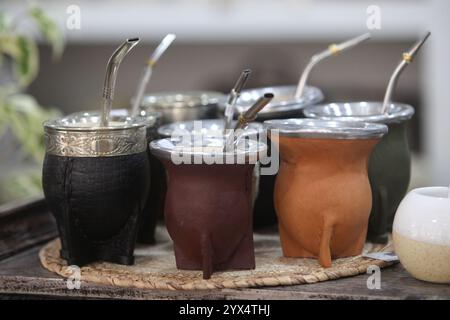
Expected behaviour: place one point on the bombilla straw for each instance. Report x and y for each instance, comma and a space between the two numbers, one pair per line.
234, 95
111, 76
148, 70
407, 58
248, 116
332, 50
251, 113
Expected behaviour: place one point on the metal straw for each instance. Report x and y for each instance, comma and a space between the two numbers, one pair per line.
251, 113
111, 76
248, 116
234, 95
332, 50
148, 70
407, 58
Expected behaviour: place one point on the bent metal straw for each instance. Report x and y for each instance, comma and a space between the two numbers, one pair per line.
248, 116
406, 60
332, 50
111, 76
148, 70
234, 95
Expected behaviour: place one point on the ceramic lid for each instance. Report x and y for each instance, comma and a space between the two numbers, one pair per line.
81, 136
208, 150
213, 127
284, 100
361, 111
181, 99
324, 129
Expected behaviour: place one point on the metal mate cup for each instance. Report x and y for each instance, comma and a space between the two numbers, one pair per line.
183, 105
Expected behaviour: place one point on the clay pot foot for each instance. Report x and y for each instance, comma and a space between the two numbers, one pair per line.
242, 258
106, 255
75, 260
324, 249
207, 257
205, 263
79, 250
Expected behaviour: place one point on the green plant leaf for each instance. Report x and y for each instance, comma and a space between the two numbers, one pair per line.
25, 56
29, 60
49, 30
3, 24
25, 117
21, 184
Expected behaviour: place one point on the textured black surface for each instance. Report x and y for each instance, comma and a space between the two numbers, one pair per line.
96, 203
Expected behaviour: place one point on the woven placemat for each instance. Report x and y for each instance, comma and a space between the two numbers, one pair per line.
155, 268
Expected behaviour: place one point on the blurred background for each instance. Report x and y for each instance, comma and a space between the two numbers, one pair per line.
216, 39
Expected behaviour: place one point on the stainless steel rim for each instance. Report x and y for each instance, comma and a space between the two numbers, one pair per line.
324, 129
284, 101
181, 99
169, 147
208, 126
360, 111
78, 137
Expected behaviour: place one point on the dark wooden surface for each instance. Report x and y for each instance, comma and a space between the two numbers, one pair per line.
21, 275
24, 225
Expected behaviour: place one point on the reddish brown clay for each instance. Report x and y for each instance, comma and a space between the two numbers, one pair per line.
208, 215
323, 197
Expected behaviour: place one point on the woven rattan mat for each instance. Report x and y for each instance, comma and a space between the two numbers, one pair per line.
155, 268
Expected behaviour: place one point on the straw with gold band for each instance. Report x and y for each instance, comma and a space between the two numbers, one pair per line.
148, 70
407, 58
232, 98
332, 50
252, 112
246, 117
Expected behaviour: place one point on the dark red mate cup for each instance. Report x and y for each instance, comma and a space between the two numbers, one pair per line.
208, 208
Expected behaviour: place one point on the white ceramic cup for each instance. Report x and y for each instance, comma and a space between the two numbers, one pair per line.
421, 234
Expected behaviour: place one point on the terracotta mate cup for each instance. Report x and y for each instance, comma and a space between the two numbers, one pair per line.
322, 193
390, 163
